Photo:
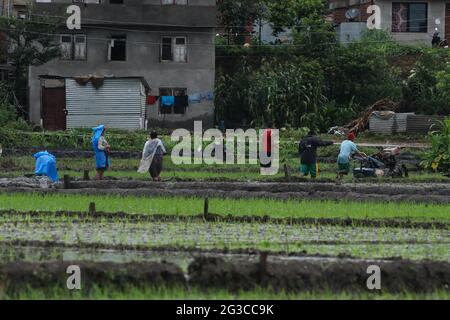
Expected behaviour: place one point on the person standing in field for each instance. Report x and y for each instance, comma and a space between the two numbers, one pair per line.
348, 148
267, 144
153, 154
102, 150
307, 149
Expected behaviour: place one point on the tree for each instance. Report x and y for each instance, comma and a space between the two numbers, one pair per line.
291, 14
236, 15
30, 42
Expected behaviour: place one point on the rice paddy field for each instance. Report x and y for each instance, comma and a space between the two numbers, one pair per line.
221, 232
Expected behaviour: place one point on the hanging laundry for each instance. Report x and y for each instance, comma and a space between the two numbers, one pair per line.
181, 102
167, 101
152, 99
195, 98
210, 95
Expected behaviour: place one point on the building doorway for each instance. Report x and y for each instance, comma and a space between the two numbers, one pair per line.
447, 21
54, 108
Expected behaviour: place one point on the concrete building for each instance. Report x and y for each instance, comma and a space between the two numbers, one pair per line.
126, 55
411, 21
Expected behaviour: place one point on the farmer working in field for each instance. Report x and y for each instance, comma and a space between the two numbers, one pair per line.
152, 156
46, 165
308, 154
348, 148
267, 144
101, 149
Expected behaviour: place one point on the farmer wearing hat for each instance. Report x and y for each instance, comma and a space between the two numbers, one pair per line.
348, 148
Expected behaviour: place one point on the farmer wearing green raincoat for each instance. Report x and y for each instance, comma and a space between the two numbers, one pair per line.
101, 149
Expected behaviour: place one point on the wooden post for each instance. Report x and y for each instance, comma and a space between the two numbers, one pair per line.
206, 208
92, 209
286, 171
86, 175
66, 181
262, 267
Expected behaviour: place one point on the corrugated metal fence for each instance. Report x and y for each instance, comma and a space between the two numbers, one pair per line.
404, 123
419, 124
116, 104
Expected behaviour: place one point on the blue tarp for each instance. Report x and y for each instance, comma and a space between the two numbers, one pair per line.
46, 165
101, 160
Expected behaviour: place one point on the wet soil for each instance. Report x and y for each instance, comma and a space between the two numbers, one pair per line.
349, 276
211, 217
233, 275
416, 192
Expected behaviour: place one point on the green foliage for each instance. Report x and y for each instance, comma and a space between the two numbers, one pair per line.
235, 15
427, 88
287, 93
292, 14
31, 41
306, 85
438, 158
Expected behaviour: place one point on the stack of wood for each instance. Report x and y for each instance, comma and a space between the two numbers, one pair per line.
361, 123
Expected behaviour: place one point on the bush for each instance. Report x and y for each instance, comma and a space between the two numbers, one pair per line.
438, 158
426, 89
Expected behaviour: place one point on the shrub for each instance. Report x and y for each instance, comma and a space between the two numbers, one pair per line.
438, 158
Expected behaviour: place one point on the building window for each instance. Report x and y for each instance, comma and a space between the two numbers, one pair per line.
409, 17
73, 46
174, 2
174, 49
180, 100
86, 1
117, 49
115, 1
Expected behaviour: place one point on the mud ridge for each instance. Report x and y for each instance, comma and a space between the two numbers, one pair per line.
211, 217
214, 272
423, 197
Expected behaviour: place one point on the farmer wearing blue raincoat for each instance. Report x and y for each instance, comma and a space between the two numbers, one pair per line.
101, 149
46, 165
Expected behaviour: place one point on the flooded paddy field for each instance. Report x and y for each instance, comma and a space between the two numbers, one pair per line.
364, 242
255, 240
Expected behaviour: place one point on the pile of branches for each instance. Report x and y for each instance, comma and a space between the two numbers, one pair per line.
362, 122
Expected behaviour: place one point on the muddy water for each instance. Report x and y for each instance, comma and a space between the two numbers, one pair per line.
30, 253
330, 240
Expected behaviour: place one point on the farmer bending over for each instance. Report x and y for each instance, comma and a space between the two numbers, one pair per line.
308, 154
348, 148
46, 165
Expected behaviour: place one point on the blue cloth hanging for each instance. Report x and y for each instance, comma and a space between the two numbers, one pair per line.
210, 95
195, 98
101, 160
167, 101
46, 165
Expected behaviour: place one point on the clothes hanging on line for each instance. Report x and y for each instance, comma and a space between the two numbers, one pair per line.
152, 99
195, 98
181, 102
167, 101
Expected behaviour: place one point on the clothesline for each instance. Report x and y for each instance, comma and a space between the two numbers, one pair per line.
181, 100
